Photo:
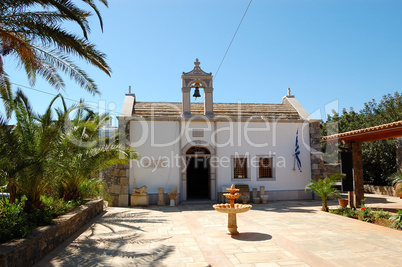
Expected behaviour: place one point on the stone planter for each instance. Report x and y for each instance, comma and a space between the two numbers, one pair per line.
172, 197
27, 251
245, 198
264, 199
257, 200
343, 202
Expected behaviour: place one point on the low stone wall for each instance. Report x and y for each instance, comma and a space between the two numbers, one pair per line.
26, 252
381, 190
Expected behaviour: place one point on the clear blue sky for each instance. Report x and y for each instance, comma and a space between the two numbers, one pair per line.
348, 51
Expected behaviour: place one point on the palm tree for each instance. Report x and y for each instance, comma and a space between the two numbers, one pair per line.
82, 152
324, 188
41, 151
32, 32
9, 159
27, 148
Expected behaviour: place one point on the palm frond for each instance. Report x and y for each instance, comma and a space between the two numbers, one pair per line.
396, 178
95, 8
32, 31
62, 62
324, 188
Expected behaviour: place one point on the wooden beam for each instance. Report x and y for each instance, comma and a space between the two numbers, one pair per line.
385, 131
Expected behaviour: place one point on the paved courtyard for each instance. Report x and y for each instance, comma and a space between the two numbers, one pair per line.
285, 233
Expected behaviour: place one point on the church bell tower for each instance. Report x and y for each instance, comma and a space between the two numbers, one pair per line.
197, 78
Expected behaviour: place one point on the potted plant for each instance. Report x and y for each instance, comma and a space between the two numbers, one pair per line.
396, 180
343, 202
325, 188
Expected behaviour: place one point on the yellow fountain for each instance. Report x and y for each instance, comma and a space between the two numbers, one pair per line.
232, 209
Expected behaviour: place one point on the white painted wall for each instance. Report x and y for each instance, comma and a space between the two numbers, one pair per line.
254, 139
189, 126
158, 142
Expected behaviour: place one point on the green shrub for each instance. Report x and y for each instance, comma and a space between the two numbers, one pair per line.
56, 206
381, 214
94, 188
347, 212
15, 223
365, 214
368, 215
350, 213
396, 220
337, 211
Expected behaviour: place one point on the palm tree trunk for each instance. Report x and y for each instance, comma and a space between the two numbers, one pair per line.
13, 191
324, 205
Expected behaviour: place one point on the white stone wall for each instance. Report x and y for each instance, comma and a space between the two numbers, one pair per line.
156, 142
204, 125
159, 145
277, 140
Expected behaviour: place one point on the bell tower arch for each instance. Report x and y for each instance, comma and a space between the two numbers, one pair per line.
197, 78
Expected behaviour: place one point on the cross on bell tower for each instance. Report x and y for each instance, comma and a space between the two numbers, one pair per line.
197, 78
197, 63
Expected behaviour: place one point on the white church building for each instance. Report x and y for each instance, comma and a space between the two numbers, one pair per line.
201, 148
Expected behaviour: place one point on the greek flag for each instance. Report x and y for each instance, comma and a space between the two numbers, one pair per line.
297, 153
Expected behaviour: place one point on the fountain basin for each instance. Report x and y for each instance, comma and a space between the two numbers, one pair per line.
238, 208
232, 196
232, 209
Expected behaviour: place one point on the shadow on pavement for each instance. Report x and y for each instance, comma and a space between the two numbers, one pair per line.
252, 237
306, 206
109, 236
374, 199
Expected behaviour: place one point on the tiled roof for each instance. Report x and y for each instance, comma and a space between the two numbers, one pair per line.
384, 131
174, 109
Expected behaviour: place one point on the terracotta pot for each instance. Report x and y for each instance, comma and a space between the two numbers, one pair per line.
398, 187
343, 202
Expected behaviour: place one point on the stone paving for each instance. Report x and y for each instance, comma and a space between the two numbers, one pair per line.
286, 233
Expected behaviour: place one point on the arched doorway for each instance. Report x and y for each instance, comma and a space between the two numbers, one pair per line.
198, 173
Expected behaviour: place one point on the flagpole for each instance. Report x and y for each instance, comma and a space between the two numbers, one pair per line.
294, 162
297, 153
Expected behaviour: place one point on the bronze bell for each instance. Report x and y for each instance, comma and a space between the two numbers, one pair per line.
196, 93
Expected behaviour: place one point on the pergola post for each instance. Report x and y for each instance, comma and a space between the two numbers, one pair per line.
358, 173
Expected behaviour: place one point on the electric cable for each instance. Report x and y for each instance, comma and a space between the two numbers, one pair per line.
70, 99
230, 44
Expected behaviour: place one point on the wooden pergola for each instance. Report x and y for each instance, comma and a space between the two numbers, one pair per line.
354, 140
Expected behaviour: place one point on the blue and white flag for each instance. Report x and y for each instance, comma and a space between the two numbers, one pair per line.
297, 153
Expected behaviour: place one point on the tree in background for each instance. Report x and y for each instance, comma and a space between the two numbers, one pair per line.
33, 32
379, 158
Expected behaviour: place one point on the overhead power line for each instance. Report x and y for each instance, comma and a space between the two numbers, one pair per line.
70, 99
234, 35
